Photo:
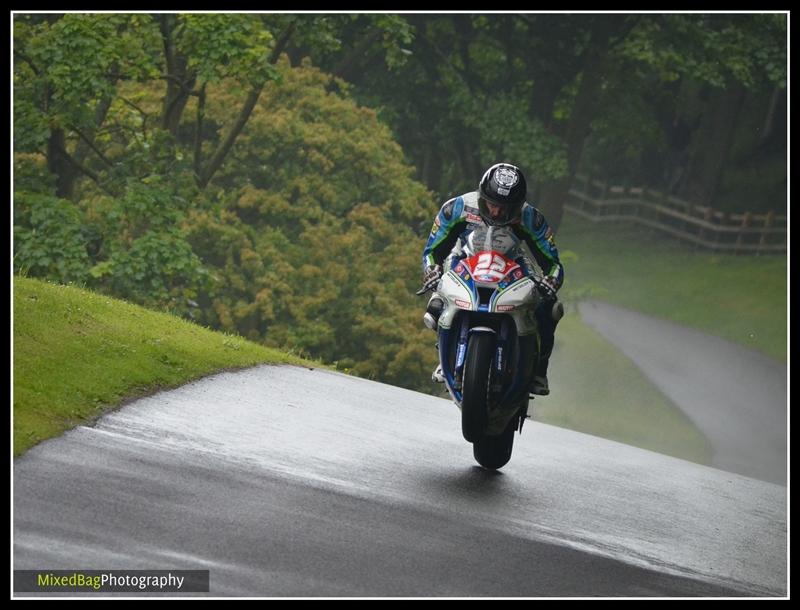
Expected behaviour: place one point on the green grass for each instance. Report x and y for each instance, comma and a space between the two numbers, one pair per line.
78, 354
597, 390
740, 298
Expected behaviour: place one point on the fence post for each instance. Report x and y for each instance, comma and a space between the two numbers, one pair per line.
653, 199
638, 207
767, 224
726, 221
665, 203
603, 196
701, 234
587, 193
626, 193
745, 223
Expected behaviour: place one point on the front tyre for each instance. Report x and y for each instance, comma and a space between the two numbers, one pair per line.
475, 400
493, 452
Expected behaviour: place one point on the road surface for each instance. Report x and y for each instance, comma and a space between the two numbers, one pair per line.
735, 396
290, 482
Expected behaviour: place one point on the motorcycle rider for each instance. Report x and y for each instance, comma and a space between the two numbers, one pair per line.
500, 201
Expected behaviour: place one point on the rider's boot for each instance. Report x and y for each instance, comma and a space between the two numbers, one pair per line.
539, 385
547, 317
431, 320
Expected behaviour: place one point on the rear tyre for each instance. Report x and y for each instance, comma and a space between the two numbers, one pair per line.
475, 400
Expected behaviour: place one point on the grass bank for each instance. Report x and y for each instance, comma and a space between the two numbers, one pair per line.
78, 354
740, 298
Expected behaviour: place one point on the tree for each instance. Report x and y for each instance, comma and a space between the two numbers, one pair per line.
706, 68
311, 242
68, 67
535, 89
150, 199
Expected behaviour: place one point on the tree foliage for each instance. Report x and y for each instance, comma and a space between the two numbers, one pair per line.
311, 244
268, 174
627, 97
291, 241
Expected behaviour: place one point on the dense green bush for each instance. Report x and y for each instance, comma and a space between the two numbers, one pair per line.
306, 239
311, 243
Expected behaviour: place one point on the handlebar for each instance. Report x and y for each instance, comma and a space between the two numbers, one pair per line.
428, 286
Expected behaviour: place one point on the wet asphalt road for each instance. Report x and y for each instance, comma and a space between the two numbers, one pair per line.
287, 482
735, 396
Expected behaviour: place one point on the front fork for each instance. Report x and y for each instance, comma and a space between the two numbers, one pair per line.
501, 355
461, 352
500, 362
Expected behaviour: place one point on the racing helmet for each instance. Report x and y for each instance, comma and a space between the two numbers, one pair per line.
503, 186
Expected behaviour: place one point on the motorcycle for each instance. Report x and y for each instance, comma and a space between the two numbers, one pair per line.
487, 339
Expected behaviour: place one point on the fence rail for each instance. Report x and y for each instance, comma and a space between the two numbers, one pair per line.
699, 225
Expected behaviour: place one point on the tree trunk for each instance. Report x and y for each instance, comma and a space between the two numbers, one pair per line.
198, 131
347, 67
713, 144
179, 80
769, 120
65, 167
59, 165
218, 156
87, 144
554, 193
468, 160
432, 167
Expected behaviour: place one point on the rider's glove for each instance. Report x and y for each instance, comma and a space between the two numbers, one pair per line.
431, 275
547, 288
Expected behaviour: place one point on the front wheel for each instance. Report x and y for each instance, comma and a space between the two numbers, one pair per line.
475, 400
493, 452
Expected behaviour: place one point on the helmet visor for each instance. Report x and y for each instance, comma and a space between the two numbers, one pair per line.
496, 213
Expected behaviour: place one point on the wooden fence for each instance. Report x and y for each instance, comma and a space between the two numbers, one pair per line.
702, 226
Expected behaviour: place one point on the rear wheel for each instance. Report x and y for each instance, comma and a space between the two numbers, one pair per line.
493, 452
475, 400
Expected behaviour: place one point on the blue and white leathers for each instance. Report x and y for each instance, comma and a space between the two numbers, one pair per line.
460, 216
